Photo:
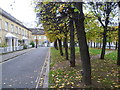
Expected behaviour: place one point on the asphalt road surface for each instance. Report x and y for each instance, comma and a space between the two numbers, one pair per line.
23, 71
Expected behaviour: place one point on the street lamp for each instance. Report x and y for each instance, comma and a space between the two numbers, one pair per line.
36, 37
36, 41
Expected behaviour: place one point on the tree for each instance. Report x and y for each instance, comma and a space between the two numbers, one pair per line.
54, 15
72, 44
112, 35
55, 44
118, 57
51, 23
93, 30
103, 10
66, 42
84, 53
65, 11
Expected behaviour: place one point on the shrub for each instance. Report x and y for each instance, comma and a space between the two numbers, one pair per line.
32, 43
3, 45
25, 47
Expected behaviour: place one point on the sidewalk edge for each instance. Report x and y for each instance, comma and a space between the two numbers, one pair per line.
13, 56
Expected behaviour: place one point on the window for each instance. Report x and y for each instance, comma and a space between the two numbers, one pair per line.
40, 37
34, 37
24, 33
12, 28
28, 33
16, 29
45, 37
0, 24
6, 26
19, 30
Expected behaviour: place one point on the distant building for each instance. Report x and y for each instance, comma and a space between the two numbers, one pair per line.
39, 37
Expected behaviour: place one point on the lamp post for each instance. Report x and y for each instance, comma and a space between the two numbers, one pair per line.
37, 33
36, 41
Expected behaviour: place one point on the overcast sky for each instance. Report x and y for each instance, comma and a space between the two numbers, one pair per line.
21, 9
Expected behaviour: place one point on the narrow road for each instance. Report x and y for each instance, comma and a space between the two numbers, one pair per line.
23, 71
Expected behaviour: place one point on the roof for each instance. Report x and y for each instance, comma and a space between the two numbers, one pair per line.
8, 35
37, 31
24, 38
10, 17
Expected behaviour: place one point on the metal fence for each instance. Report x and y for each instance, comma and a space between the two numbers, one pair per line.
9, 49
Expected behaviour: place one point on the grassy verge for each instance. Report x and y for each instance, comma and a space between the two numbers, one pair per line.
94, 51
104, 73
55, 57
111, 56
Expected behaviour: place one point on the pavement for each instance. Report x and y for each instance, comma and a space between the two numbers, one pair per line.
5, 57
26, 70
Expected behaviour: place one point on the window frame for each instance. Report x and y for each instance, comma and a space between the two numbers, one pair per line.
0, 24
19, 30
16, 29
45, 37
12, 28
6, 26
40, 37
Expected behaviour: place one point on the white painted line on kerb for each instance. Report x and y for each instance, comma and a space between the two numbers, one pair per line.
39, 77
36, 79
46, 78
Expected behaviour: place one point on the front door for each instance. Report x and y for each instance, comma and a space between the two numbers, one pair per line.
12, 44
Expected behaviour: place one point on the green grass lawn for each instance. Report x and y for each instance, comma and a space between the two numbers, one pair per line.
94, 51
111, 56
104, 72
56, 57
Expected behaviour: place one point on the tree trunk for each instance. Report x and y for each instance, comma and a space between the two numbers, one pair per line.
109, 45
88, 42
83, 48
64, 43
100, 44
66, 47
72, 44
104, 43
94, 44
116, 45
56, 45
60, 47
118, 57
91, 44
